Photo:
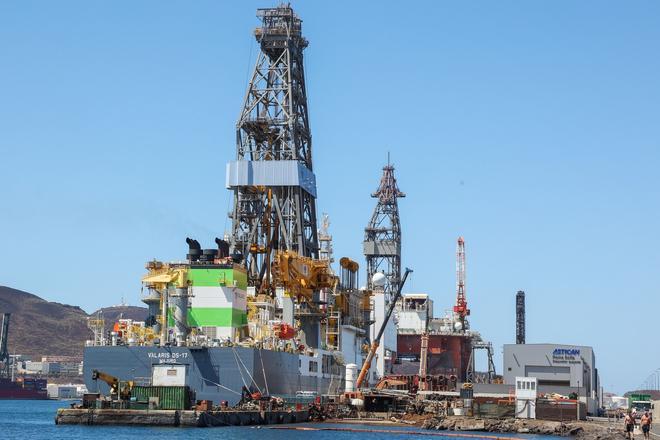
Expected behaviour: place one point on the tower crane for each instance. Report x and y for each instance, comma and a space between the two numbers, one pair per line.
461, 308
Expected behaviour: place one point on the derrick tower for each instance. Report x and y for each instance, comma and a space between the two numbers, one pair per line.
382, 236
272, 179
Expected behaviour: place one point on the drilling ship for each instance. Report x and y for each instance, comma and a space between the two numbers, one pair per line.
220, 335
262, 310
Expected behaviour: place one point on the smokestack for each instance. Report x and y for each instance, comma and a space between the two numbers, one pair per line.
520, 317
223, 248
194, 250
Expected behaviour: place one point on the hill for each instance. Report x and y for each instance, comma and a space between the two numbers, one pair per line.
38, 327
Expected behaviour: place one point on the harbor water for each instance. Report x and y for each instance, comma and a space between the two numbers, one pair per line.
35, 419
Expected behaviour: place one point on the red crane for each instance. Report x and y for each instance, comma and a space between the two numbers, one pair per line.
461, 308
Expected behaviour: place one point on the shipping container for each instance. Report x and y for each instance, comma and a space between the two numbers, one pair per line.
177, 397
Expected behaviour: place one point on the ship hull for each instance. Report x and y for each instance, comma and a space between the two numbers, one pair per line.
214, 373
20, 391
448, 355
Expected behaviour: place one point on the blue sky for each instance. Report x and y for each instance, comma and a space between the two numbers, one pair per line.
530, 128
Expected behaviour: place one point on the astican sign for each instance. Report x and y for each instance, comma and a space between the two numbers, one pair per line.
566, 352
566, 355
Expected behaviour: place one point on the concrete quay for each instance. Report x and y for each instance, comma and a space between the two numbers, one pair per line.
183, 418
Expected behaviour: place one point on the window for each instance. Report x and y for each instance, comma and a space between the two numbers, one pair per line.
533, 386
519, 385
313, 366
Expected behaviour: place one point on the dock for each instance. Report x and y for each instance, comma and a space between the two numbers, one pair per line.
182, 418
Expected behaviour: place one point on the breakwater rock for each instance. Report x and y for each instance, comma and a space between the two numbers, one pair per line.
580, 429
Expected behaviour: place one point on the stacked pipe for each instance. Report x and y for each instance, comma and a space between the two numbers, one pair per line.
348, 273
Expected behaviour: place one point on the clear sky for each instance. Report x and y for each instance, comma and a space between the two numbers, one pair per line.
530, 128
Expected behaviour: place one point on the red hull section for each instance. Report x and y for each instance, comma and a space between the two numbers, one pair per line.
26, 388
449, 355
23, 394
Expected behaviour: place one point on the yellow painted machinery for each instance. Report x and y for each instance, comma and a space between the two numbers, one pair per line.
301, 276
120, 389
161, 276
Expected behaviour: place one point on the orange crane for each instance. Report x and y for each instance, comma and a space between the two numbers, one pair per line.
376, 342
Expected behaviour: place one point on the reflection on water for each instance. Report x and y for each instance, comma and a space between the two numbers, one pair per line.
36, 420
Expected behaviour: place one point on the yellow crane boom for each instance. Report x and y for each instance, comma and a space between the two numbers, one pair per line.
301, 276
114, 384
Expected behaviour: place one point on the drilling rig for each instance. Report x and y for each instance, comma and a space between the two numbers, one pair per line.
382, 236
272, 177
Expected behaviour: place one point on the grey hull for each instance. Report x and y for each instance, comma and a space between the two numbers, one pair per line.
216, 373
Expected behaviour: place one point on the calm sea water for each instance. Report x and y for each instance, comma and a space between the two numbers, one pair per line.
36, 420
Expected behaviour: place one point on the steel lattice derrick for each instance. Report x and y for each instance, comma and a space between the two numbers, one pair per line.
382, 236
274, 187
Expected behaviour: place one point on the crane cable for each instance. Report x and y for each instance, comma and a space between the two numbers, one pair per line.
246, 370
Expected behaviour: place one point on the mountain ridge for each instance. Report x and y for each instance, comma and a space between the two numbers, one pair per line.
39, 327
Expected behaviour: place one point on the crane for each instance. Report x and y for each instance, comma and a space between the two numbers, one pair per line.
374, 345
116, 388
461, 307
4, 352
301, 276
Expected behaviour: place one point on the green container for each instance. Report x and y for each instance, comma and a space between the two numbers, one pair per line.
168, 397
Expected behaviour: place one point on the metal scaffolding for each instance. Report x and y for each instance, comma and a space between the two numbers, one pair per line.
272, 179
382, 236
472, 375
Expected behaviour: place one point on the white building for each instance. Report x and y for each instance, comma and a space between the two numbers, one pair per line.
563, 369
413, 310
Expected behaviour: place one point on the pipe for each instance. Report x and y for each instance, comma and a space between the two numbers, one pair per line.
163, 311
422, 362
181, 315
